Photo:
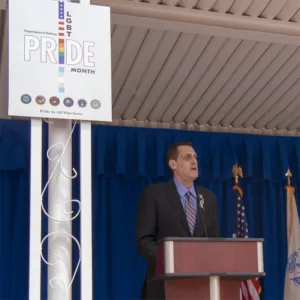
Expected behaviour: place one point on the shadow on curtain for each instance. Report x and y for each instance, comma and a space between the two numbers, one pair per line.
125, 160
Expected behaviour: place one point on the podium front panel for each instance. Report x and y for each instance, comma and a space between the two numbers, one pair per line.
179, 257
234, 257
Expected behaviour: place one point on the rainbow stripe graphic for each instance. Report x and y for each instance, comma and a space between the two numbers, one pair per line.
61, 45
61, 51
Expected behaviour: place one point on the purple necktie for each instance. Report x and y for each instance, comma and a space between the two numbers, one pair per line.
190, 212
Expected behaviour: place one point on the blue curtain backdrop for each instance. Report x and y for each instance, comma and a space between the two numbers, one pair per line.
125, 160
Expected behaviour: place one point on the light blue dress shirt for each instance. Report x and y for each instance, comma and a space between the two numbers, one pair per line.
182, 190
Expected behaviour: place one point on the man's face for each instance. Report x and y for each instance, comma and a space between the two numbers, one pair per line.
186, 166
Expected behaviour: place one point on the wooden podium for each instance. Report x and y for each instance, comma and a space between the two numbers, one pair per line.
207, 268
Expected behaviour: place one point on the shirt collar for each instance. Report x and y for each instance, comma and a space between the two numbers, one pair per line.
182, 190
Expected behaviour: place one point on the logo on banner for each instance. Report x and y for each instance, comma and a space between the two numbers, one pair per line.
54, 101
293, 267
40, 100
25, 99
68, 102
95, 104
82, 103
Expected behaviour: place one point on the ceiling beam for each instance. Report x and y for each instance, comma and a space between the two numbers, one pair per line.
205, 128
198, 17
207, 30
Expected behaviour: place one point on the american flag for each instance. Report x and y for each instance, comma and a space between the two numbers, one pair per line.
250, 289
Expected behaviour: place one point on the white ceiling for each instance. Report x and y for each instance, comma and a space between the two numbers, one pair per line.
226, 64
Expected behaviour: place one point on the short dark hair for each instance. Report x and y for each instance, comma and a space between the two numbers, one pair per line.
172, 152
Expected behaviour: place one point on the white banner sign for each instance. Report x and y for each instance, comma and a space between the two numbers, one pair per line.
59, 60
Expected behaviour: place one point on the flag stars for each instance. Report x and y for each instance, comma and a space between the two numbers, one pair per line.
241, 226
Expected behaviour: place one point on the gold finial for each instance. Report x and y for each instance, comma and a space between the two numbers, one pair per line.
288, 174
237, 172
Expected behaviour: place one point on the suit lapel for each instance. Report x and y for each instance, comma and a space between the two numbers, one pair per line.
176, 204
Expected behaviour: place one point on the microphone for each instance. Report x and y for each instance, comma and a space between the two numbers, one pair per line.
201, 206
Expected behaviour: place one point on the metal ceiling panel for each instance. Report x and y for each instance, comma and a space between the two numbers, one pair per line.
162, 109
261, 73
120, 37
170, 2
130, 50
169, 70
294, 125
272, 108
138, 69
273, 79
221, 80
163, 51
273, 9
193, 105
229, 94
240, 7
286, 117
223, 6
289, 86
296, 17
188, 3
182, 102
256, 8
289, 10
206, 4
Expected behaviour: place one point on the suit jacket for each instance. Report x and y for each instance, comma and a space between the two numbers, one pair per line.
161, 215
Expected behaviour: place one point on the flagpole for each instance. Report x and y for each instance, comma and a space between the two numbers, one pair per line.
291, 285
237, 172
290, 191
241, 231
288, 174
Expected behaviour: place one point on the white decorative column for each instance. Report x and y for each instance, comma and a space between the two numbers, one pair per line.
59, 209
86, 206
35, 209
86, 211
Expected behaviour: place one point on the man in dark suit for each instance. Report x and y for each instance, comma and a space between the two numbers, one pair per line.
176, 208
